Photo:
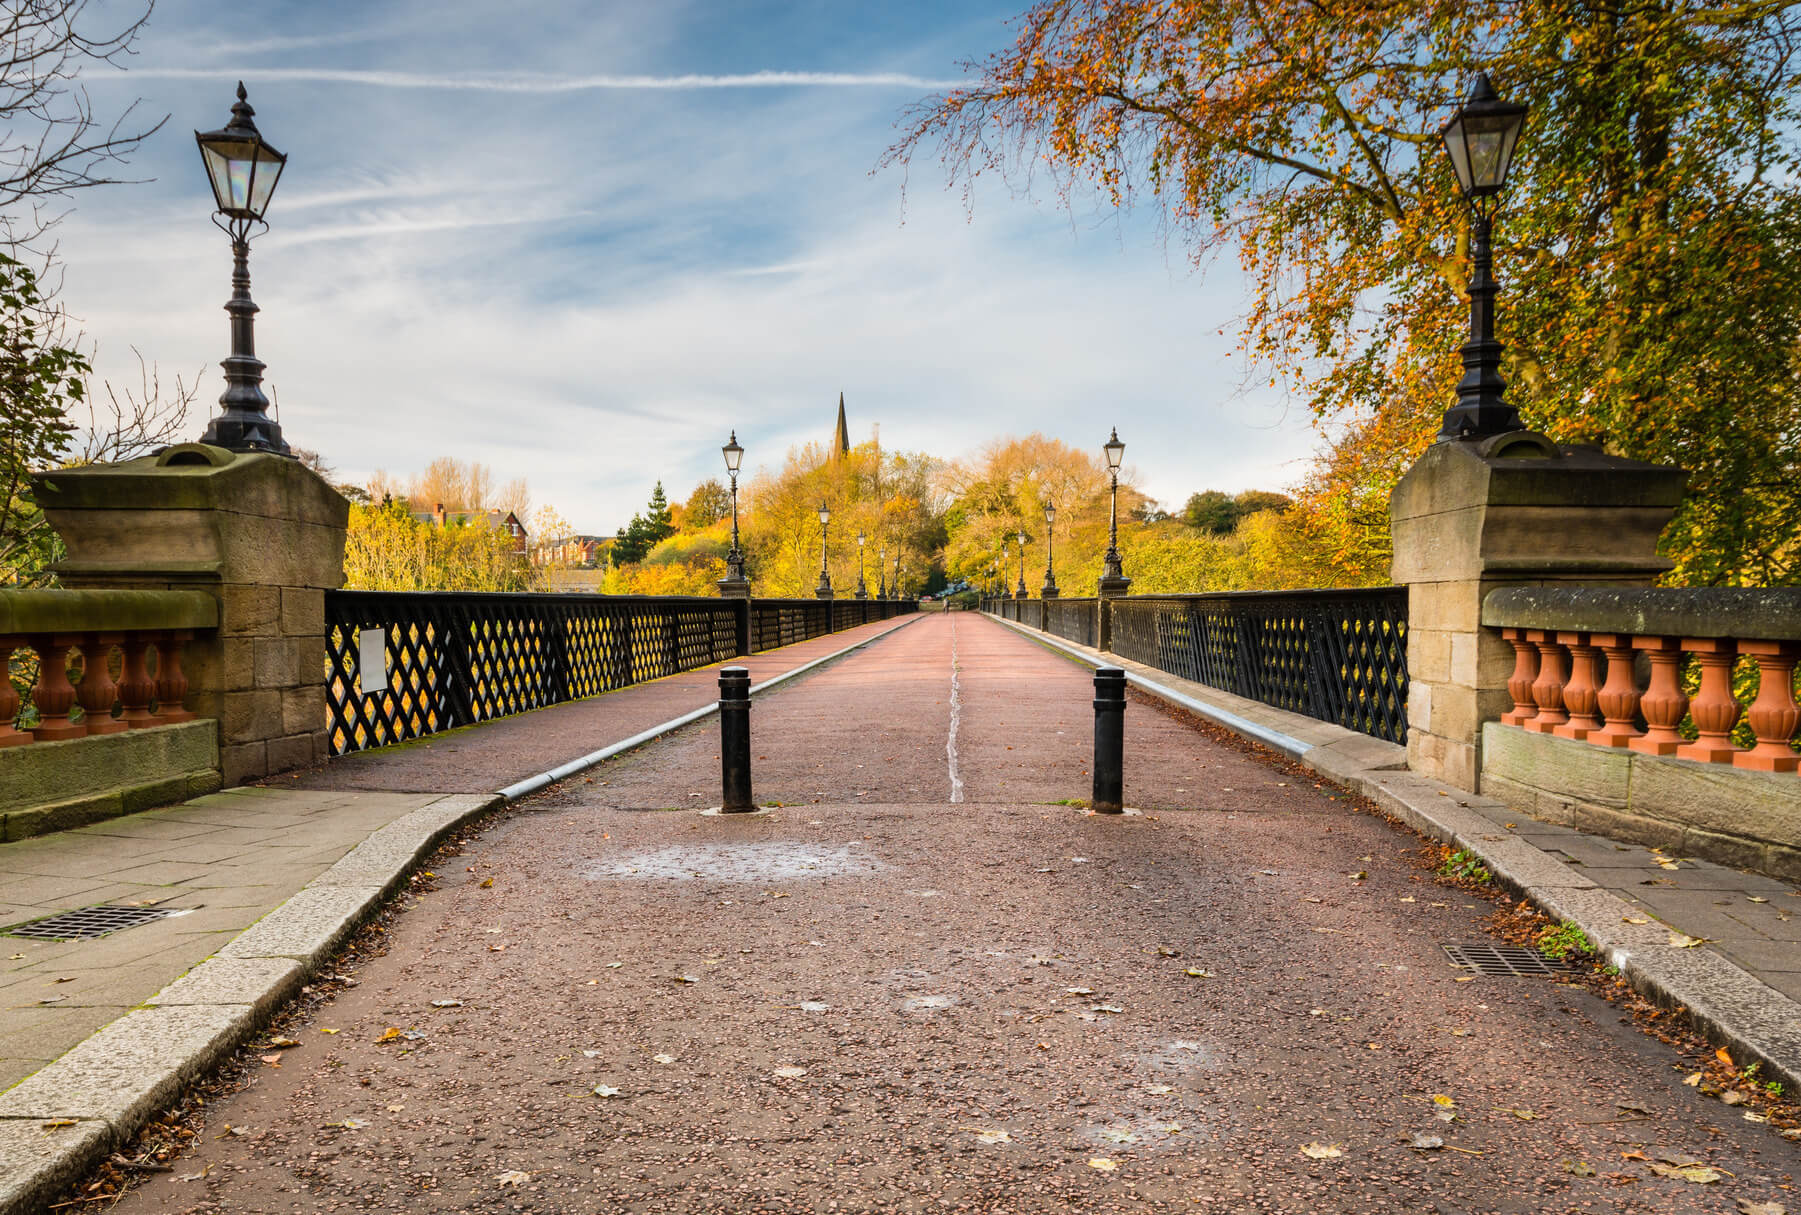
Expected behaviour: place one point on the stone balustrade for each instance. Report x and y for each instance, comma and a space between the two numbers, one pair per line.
140, 634
1606, 666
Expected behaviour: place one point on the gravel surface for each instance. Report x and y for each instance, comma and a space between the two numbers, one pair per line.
873, 999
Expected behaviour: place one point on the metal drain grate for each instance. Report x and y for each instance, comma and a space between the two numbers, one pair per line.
89, 922
1514, 960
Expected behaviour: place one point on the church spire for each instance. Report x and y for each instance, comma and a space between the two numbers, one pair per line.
841, 440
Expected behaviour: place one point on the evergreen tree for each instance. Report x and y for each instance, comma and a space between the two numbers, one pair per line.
644, 532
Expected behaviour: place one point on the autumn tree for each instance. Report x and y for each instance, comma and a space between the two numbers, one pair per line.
894, 499
1651, 237
709, 503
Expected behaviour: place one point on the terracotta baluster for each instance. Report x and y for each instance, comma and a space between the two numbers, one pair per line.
1664, 703
1519, 684
54, 694
1714, 709
10, 735
136, 688
1618, 697
96, 691
1774, 715
1580, 693
1547, 689
171, 684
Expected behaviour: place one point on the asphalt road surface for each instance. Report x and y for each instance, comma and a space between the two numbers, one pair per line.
921, 985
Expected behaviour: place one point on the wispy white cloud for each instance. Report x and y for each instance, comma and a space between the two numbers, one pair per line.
531, 82
293, 42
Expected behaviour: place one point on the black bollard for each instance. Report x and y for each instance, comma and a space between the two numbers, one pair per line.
734, 738
1109, 740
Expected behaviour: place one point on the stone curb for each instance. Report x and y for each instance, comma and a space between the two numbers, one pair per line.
59, 1122
1727, 1003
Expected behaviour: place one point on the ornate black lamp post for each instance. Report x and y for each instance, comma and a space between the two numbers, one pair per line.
243, 169
1021, 593
1480, 138
862, 587
824, 589
1050, 551
734, 459
1113, 576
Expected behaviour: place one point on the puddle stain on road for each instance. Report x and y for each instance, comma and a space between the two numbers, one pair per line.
736, 863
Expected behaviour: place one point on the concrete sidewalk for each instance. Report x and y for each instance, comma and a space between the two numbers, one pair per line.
1643, 908
266, 881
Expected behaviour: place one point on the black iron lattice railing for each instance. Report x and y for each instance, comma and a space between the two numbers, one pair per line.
1339, 656
1336, 655
1073, 620
453, 658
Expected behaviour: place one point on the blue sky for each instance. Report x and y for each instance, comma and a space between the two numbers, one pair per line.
572, 241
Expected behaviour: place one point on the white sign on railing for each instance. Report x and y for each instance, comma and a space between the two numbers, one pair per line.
372, 660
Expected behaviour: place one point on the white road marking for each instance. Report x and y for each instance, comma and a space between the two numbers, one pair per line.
950, 743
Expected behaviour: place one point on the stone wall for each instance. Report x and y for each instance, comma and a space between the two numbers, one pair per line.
1749, 820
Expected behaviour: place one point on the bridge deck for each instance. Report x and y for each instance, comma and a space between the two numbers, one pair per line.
879, 998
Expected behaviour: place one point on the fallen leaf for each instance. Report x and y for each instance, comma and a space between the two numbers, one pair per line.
1322, 1151
686, 979
605, 1090
1441, 1099
349, 1124
272, 1060
200, 1176
1425, 1143
487, 883
1700, 1174
986, 1135
392, 1033
1757, 898
1161, 1089
591, 1054
1724, 1056
64, 979
1693, 1080
56, 1124
1579, 1168
1631, 1107
1750, 1117
663, 1058
1102, 1163
446, 1003
1079, 991
1106, 1008
1522, 1115
513, 1177
1634, 919
1195, 972
1681, 940
1164, 951
614, 965
283, 1043
1732, 1097
789, 1071
1115, 1135
1747, 1207
323, 1030
1633, 1156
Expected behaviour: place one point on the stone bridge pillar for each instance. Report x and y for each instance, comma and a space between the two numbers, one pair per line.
1513, 509
263, 534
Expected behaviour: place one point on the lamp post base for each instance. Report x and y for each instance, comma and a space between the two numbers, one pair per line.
245, 430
